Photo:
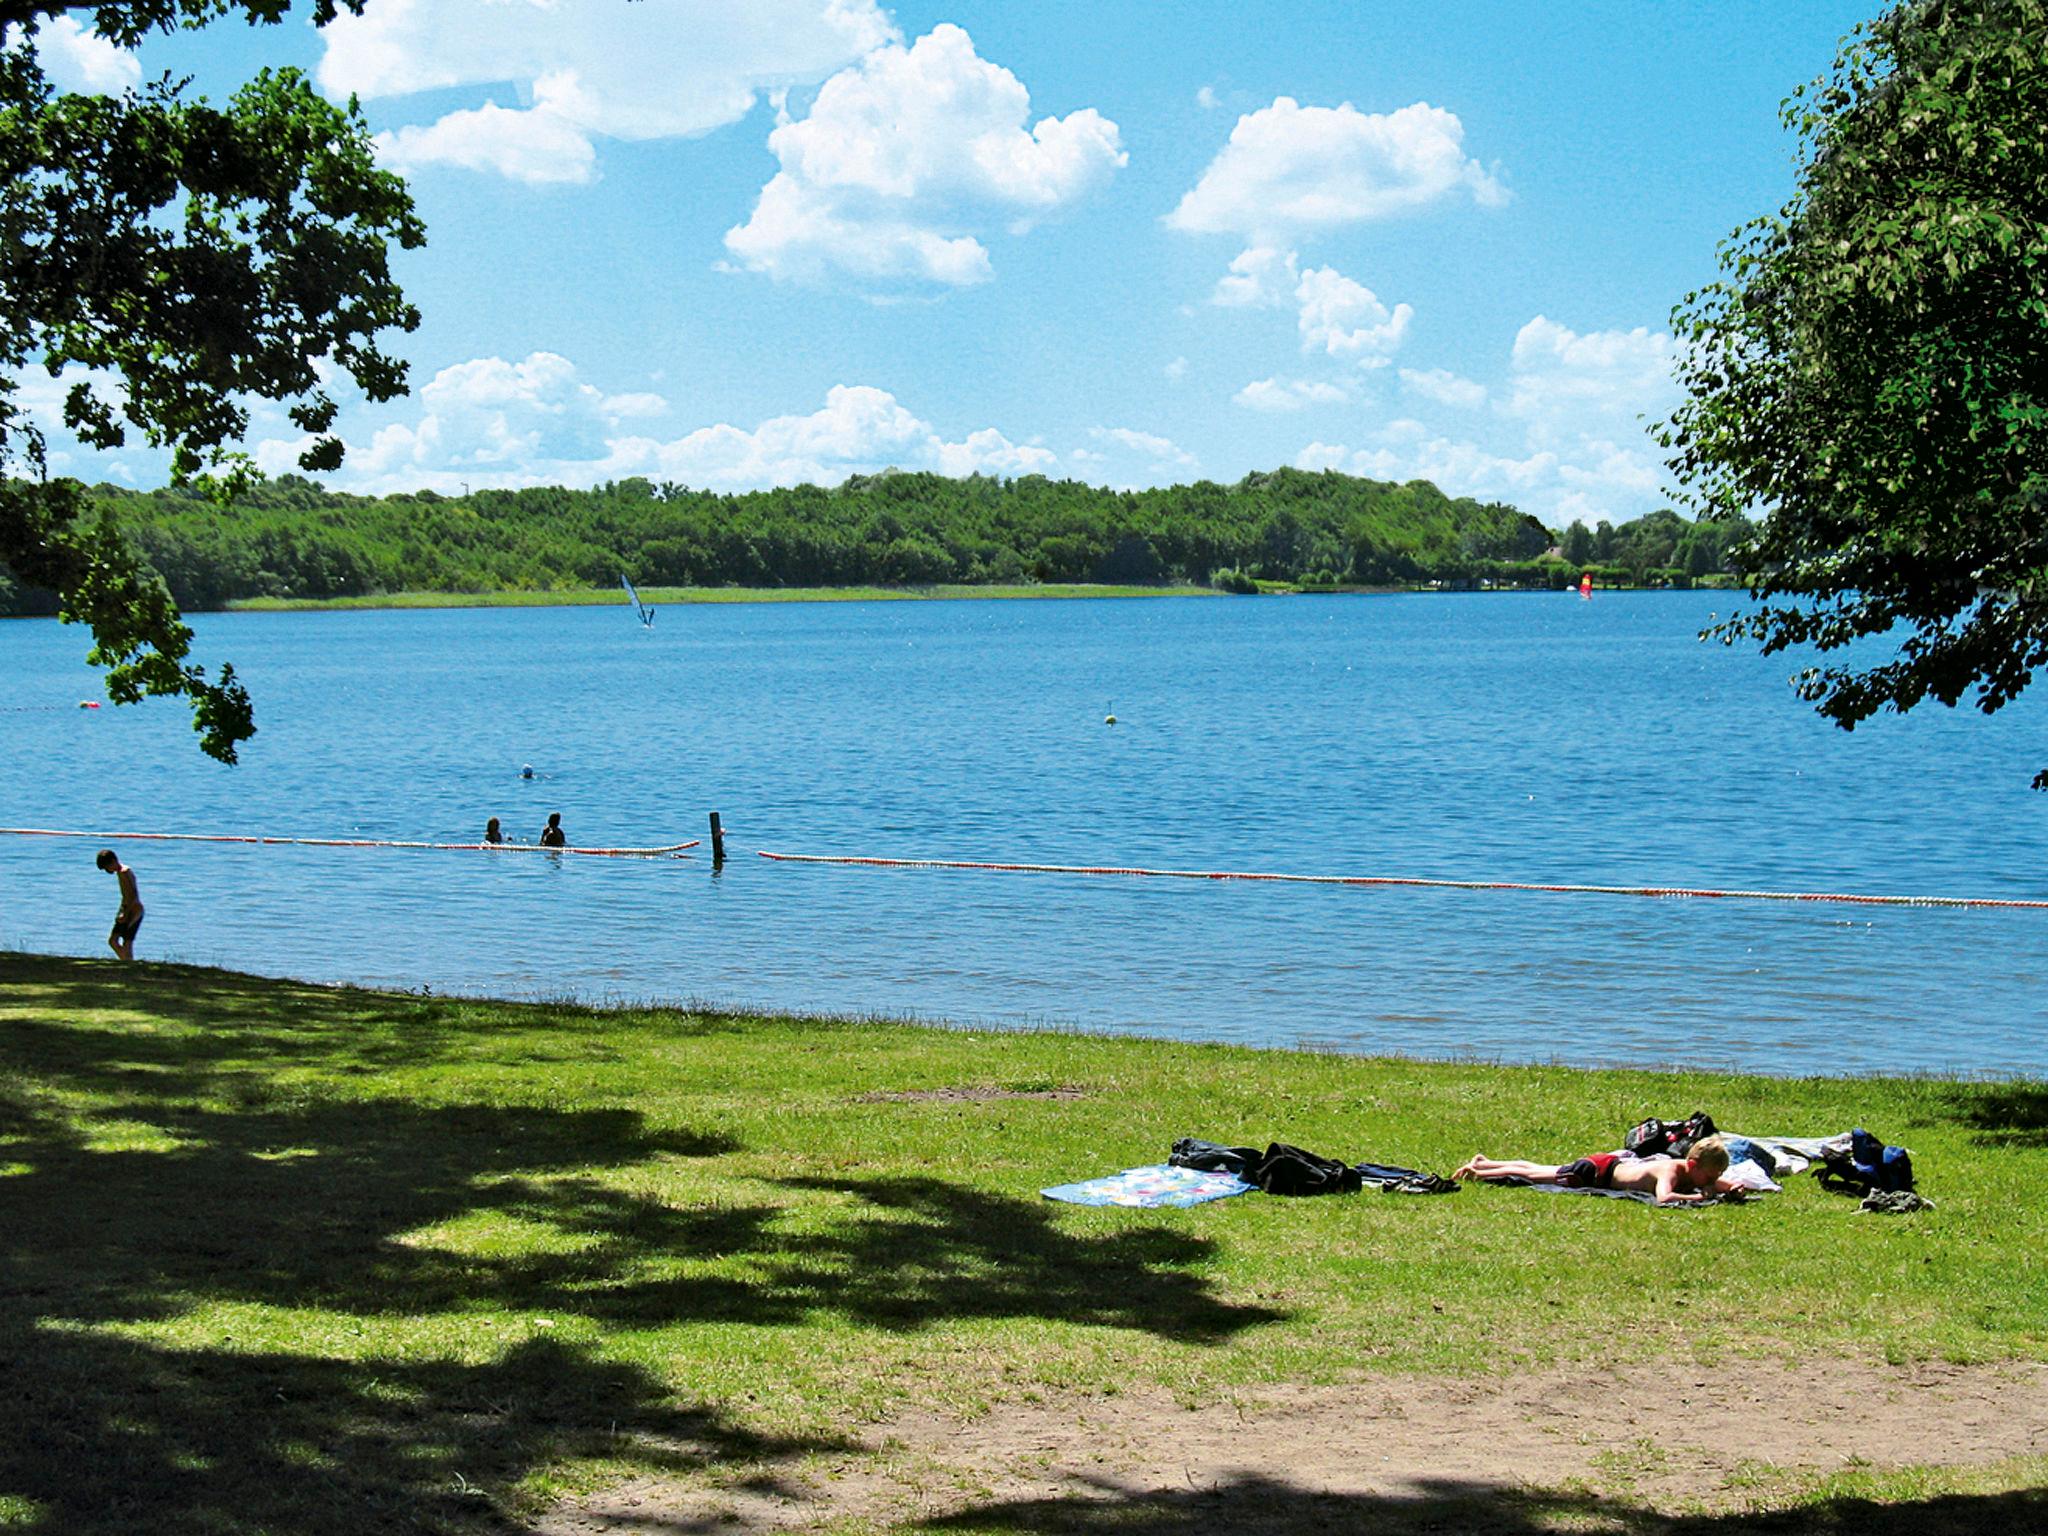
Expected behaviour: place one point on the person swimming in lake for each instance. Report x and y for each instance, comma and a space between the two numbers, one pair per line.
552, 835
492, 832
129, 918
1671, 1180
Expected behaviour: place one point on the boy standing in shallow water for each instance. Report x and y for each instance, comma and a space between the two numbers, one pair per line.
122, 940
1673, 1180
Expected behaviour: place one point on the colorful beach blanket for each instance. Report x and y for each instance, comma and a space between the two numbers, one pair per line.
1159, 1185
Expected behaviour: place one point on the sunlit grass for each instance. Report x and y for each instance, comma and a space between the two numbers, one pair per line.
446, 1254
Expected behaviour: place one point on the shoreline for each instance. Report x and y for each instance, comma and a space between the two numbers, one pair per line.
597, 597
1052, 1029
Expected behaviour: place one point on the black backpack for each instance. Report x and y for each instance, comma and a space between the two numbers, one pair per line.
1656, 1136
1649, 1138
1698, 1126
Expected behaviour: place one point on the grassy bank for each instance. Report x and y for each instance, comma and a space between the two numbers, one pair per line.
285, 1258
577, 598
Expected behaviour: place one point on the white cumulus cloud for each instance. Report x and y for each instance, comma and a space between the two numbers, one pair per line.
491, 422
1344, 318
1320, 456
76, 58
533, 146
1444, 387
904, 160
1260, 277
584, 70
1288, 394
1160, 452
1596, 384
1567, 437
1289, 169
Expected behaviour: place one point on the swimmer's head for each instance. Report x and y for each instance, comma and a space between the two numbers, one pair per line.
526, 771
107, 861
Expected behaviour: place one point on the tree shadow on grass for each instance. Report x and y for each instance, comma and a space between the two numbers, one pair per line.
146, 1175
1264, 1506
137, 1185
240, 1020
926, 1250
2004, 1114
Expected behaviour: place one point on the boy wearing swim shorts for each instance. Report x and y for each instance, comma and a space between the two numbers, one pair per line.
122, 940
1672, 1180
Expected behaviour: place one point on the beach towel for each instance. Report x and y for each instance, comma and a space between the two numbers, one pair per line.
1734, 1197
1159, 1185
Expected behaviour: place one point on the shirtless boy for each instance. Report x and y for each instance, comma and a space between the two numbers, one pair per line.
122, 940
1672, 1180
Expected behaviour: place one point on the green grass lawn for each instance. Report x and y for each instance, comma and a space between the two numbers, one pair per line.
290, 1258
581, 598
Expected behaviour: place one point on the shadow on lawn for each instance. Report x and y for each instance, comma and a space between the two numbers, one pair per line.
1269, 1507
241, 1186
2005, 1114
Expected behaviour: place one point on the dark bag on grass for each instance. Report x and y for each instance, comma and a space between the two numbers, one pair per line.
1697, 1126
1286, 1170
1869, 1166
1649, 1138
1674, 1137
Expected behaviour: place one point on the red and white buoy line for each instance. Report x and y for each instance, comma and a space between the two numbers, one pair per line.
1661, 891
667, 850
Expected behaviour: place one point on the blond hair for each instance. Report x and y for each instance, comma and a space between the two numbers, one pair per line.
1709, 1157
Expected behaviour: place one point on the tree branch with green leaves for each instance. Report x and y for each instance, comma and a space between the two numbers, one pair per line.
175, 261
1871, 374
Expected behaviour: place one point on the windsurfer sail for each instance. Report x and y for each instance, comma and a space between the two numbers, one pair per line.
644, 611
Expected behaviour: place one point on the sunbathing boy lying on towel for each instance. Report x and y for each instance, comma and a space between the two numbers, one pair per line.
1671, 1180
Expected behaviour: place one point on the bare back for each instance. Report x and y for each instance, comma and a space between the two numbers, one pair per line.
1664, 1177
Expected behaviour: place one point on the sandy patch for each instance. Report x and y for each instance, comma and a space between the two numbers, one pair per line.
1294, 1450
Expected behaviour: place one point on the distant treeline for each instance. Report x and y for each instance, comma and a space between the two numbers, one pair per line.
290, 537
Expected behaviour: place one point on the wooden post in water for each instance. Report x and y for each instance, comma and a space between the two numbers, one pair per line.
717, 842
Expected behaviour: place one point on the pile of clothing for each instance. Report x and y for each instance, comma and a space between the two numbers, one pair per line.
1288, 1170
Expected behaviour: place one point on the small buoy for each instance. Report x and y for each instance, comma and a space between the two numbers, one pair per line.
88, 703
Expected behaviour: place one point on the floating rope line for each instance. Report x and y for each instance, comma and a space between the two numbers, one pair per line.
1402, 880
669, 850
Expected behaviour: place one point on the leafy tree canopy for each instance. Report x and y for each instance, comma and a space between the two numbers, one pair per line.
1872, 372
171, 260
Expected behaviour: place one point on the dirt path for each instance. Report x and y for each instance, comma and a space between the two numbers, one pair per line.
1289, 1454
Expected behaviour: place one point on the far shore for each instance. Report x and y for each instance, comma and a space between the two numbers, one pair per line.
599, 596
659, 596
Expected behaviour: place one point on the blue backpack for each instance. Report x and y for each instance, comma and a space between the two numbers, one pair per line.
1871, 1164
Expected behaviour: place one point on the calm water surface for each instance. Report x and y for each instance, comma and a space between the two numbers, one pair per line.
1517, 737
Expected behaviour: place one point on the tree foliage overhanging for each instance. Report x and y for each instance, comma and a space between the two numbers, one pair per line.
1873, 371
163, 261
290, 538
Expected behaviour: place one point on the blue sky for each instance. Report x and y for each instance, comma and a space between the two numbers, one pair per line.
746, 242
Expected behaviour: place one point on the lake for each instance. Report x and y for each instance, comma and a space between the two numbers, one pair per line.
1527, 737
